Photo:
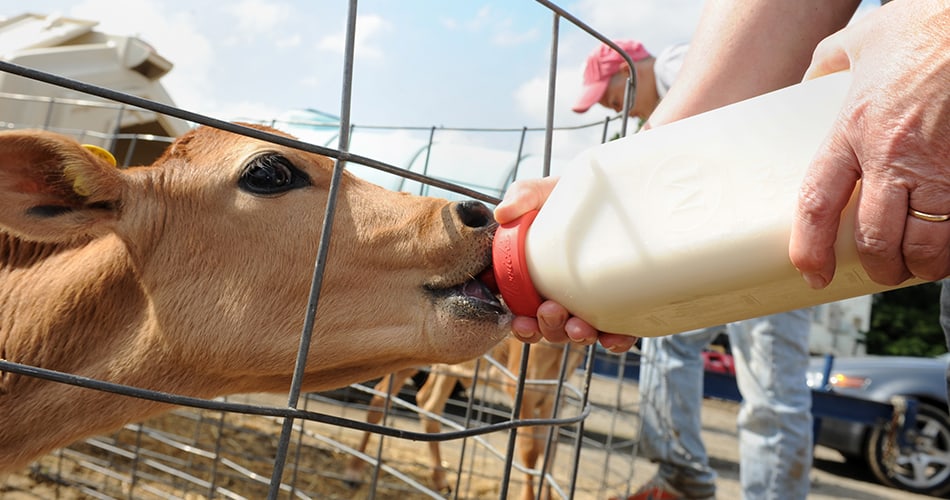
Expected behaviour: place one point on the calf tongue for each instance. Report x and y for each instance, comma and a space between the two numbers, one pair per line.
478, 290
488, 278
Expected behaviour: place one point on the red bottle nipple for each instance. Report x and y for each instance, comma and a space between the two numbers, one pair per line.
511, 266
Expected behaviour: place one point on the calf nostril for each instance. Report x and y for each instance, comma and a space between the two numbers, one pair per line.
474, 214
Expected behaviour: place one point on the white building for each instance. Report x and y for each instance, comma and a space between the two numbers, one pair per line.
73, 48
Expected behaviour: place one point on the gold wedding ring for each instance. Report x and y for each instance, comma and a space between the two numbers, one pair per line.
928, 217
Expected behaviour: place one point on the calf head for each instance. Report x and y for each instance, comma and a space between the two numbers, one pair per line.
193, 274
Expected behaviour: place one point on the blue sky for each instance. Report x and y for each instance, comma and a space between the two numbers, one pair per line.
423, 63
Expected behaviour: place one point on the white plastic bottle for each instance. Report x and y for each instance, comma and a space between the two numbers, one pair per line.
686, 225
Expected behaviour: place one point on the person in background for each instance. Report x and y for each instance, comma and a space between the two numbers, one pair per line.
770, 353
606, 73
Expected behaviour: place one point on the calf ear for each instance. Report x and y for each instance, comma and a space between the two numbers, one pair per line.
53, 189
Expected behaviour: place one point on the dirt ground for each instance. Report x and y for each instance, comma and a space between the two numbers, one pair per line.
244, 439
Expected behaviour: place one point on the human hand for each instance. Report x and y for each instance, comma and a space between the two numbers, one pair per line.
553, 322
894, 136
524, 196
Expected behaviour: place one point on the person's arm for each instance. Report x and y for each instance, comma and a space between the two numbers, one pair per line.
743, 48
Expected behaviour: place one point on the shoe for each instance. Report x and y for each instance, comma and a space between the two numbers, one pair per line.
657, 489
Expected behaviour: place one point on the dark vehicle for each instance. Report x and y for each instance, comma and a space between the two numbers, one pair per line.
925, 469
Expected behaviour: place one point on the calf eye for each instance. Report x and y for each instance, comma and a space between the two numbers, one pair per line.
271, 174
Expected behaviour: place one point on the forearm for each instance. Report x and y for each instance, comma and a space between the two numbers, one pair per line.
743, 48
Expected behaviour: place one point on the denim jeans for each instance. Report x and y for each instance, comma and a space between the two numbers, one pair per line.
774, 421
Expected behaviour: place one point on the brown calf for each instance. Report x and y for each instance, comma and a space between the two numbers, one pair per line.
544, 365
192, 276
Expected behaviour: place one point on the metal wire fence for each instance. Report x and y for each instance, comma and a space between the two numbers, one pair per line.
256, 446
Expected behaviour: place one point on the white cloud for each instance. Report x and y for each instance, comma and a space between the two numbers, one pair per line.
532, 99
368, 29
175, 35
247, 110
532, 95
482, 18
258, 16
289, 41
506, 36
450, 23
656, 24
311, 81
501, 28
259, 21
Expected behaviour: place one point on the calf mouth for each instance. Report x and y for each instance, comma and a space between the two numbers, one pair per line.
475, 298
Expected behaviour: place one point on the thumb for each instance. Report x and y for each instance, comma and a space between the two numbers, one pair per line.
829, 57
523, 197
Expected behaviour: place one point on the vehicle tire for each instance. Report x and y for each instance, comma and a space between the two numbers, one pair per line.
927, 469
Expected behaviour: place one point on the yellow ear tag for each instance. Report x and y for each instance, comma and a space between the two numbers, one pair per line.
101, 153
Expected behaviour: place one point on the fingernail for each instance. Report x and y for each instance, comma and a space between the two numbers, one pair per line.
523, 336
582, 341
527, 337
814, 280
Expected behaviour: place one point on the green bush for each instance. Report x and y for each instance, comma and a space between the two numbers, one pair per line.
905, 322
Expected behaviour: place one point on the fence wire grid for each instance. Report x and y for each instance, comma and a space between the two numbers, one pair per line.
257, 446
